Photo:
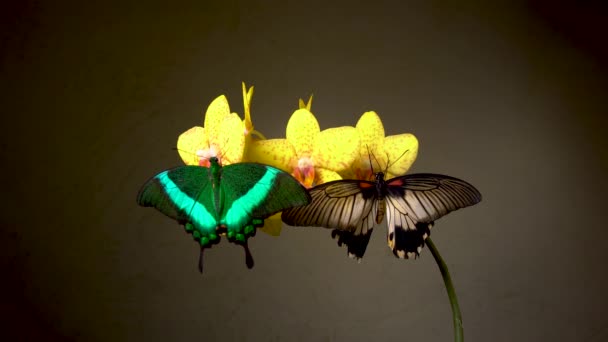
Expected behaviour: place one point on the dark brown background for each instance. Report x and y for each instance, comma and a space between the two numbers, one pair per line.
511, 98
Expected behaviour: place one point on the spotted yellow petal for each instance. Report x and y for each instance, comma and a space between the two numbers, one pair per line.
303, 105
371, 133
250, 139
273, 225
247, 95
348, 173
217, 110
336, 148
190, 142
302, 130
362, 168
231, 140
401, 151
324, 176
275, 152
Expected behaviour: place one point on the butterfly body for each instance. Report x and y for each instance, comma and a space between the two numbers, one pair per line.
411, 204
233, 200
380, 185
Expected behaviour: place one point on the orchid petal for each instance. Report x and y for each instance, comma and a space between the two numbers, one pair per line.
216, 112
371, 133
302, 130
308, 105
400, 151
190, 142
336, 148
273, 225
274, 152
325, 175
231, 143
247, 95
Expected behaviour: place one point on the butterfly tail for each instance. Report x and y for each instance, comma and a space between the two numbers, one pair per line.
200, 260
248, 256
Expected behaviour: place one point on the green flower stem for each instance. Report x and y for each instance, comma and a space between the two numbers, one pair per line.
449, 286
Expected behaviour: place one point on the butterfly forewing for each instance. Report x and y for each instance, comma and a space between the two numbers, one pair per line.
428, 197
177, 193
344, 205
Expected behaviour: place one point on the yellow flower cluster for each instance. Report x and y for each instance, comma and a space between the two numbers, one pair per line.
312, 156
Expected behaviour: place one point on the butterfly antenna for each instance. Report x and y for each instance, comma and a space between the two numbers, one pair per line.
180, 150
369, 158
188, 152
388, 165
377, 161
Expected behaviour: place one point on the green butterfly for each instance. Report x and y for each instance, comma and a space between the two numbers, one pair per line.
233, 200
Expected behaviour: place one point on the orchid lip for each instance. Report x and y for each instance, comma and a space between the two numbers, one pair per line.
304, 172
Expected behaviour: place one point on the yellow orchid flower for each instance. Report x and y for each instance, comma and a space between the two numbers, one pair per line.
222, 137
312, 156
218, 137
393, 155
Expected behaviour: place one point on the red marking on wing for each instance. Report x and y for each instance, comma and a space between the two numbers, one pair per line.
363, 185
395, 182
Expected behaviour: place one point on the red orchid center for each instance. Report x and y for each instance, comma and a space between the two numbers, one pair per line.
205, 154
304, 172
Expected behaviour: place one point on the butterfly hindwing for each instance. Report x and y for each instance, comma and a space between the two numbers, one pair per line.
415, 201
355, 244
345, 205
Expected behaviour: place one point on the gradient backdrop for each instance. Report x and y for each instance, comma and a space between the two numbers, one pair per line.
511, 98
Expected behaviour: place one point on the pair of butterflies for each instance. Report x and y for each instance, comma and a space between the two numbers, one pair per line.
234, 201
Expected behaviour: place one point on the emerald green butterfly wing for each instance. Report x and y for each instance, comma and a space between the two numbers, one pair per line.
184, 194
252, 192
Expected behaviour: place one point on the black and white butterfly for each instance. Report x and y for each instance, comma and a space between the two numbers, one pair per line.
412, 203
